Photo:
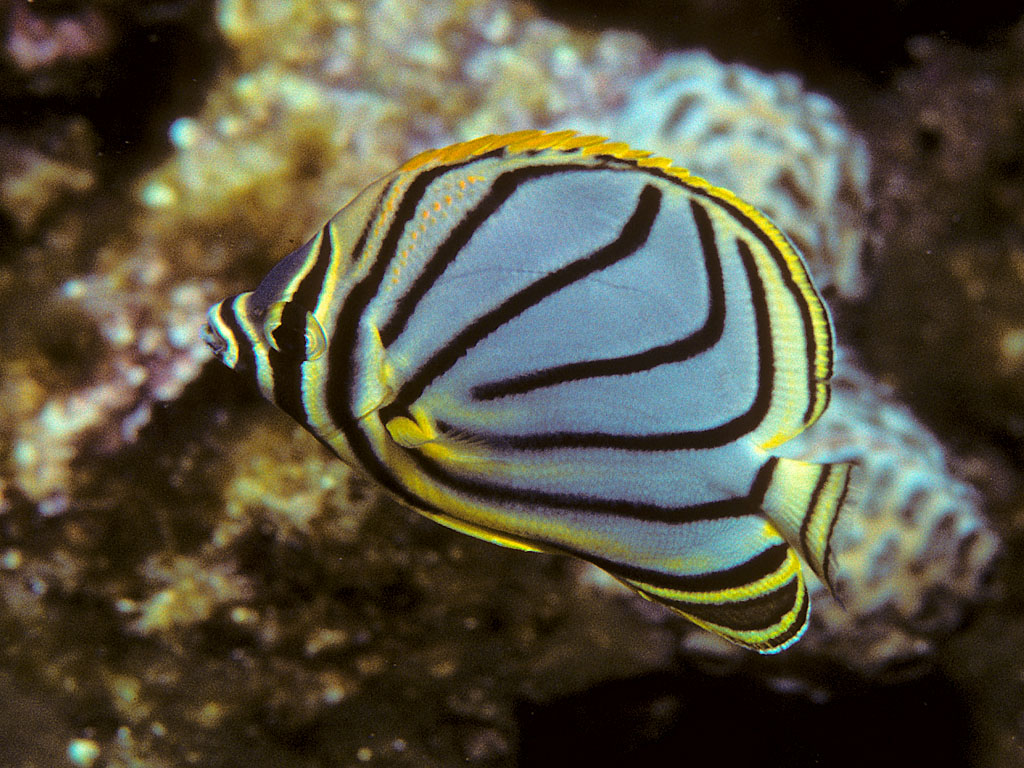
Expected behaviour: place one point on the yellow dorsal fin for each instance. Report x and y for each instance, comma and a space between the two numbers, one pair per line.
532, 140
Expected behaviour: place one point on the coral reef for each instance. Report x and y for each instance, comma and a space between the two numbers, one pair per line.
826, 43
253, 582
278, 149
948, 147
74, 50
152, 354
38, 42
915, 550
308, 613
41, 168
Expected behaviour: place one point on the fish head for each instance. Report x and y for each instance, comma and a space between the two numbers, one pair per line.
267, 330
225, 331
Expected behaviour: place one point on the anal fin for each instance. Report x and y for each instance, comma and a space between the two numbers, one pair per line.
760, 603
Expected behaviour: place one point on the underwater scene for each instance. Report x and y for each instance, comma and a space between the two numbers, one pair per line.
490, 383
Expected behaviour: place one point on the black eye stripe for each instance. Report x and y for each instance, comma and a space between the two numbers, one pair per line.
288, 339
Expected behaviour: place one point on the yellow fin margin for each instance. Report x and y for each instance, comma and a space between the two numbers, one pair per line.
529, 140
773, 638
769, 640
819, 318
480, 532
790, 567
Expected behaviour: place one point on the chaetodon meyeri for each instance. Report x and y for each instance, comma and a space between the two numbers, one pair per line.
554, 342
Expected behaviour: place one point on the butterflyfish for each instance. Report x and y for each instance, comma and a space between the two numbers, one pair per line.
557, 343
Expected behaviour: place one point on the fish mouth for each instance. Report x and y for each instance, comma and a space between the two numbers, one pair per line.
213, 340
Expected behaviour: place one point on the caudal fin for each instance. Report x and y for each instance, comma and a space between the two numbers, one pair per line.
804, 501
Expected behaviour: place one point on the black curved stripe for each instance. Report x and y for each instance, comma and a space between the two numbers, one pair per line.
393, 327
759, 612
699, 341
758, 567
342, 362
502, 494
529, 497
632, 237
287, 366
342, 349
343, 345
827, 558
502, 188
810, 344
812, 509
715, 437
246, 361
762, 481
794, 629
784, 269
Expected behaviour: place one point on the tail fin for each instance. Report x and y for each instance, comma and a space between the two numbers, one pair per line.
803, 501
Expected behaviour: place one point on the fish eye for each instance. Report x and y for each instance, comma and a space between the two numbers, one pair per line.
308, 341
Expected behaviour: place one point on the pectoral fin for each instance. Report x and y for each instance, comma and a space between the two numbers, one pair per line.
409, 432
